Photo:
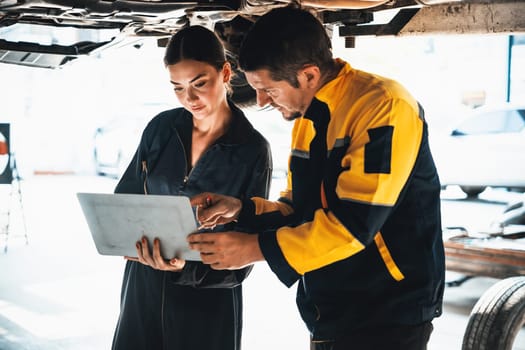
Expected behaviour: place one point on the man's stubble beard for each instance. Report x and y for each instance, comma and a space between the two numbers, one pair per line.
293, 116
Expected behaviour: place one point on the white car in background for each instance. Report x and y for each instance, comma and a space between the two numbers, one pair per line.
115, 142
486, 149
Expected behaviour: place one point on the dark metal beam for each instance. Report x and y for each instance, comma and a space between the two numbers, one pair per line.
391, 28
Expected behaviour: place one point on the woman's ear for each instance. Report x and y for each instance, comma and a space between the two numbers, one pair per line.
227, 72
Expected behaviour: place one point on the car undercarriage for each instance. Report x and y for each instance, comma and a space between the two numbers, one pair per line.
30, 33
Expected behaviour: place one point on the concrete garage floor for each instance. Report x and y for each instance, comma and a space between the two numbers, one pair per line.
57, 293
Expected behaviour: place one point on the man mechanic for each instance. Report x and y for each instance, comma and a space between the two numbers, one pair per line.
359, 224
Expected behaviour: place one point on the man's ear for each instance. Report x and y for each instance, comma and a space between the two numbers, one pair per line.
312, 74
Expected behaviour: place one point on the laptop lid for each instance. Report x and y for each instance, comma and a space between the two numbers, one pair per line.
117, 221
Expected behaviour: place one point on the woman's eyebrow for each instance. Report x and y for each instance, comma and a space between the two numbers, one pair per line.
191, 81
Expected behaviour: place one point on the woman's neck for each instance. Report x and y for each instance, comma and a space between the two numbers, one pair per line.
214, 124
206, 131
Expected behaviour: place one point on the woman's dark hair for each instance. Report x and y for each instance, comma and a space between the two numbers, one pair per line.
283, 41
195, 43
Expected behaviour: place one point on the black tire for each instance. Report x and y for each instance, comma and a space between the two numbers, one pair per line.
497, 317
472, 191
242, 93
231, 34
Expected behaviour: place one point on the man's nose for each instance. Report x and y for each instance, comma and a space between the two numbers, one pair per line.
263, 99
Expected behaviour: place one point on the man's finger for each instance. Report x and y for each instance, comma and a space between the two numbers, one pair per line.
217, 266
203, 247
214, 261
200, 199
205, 238
208, 258
205, 215
197, 200
201, 218
206, 226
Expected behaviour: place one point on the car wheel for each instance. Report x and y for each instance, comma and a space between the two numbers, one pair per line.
472, 191
497, 317
231, 34
243, 94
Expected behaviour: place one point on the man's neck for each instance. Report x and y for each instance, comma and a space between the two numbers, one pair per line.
331, 73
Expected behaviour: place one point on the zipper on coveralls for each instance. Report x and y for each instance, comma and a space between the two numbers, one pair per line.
144, 176
187, 177
186, 174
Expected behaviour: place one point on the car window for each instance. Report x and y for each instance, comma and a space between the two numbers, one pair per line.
494, 122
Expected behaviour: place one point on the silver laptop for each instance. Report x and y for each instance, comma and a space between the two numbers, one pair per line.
118, 221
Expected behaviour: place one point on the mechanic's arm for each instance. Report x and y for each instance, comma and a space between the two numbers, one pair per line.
201, 275
375, 168
235, 249
253, 213
356, 213
189, 273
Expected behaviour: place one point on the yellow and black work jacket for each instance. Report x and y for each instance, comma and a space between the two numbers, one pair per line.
359, 224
